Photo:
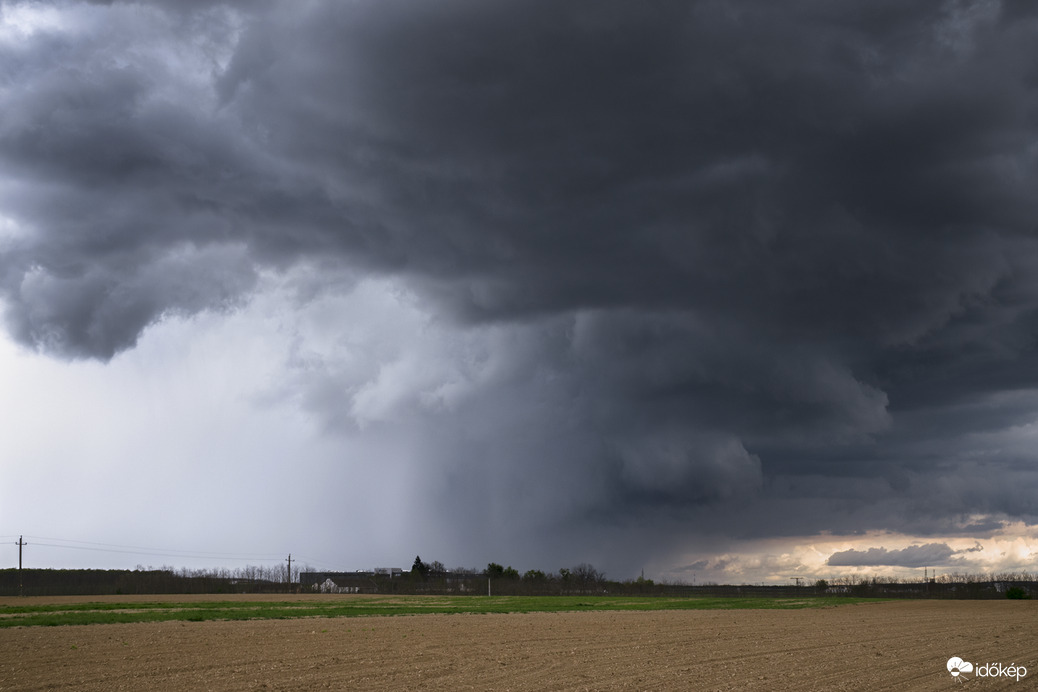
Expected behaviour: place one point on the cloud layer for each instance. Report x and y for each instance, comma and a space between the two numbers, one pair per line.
912, 556
628, 278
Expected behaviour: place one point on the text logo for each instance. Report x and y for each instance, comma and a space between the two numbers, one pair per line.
956, 666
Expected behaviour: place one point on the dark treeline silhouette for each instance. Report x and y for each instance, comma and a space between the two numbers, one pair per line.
495, 579
146, 580
434, 578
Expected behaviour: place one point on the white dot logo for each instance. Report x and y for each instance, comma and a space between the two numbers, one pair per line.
957, 666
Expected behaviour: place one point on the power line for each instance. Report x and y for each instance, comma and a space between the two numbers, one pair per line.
96, 546
208, 556
166, 552
328, 566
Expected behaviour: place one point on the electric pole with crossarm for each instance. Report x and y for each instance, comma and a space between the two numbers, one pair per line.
21, 543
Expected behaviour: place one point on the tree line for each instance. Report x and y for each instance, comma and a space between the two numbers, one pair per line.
433, 577
581, 578
147, 580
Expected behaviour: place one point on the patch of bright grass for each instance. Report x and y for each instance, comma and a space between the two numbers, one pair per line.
105, 613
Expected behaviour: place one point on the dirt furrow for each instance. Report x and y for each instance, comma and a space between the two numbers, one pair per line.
876, 646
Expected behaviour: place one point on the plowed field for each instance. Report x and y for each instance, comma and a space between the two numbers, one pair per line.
873, 646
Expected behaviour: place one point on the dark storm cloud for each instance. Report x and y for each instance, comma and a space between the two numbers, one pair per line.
822, 176
752, 239
912, 556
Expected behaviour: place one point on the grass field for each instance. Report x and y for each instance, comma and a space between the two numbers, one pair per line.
89, 613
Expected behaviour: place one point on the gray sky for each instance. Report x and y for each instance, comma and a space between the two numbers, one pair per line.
726, 290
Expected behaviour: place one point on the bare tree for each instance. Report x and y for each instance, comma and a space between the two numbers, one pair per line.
586, 577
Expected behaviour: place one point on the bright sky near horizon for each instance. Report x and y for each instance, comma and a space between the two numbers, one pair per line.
731, 290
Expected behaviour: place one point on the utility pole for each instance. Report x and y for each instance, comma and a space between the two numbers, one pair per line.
21, 542
290, 570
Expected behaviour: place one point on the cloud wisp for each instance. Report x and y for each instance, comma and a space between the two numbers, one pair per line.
912, 556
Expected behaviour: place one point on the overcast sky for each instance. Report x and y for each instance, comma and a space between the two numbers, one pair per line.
726, 290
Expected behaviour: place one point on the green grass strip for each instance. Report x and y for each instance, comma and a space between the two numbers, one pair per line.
336, 607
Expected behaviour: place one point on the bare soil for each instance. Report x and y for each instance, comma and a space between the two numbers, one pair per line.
874, 646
